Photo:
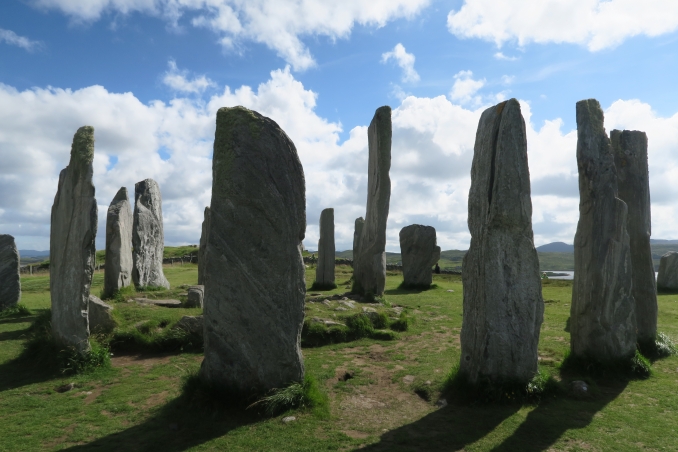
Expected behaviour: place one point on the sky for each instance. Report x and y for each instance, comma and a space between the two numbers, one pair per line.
149, 76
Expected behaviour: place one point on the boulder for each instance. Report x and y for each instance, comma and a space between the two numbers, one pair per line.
324, 273
71, 245
503, 305
147, 236
602, 314
119, 263
195, 295
191, 324
203, 247
667, 278
633, 184
369, 271
100, 316
162, 303
255, 281
10, 279
419, 253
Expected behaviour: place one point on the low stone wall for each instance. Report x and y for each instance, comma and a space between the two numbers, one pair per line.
341, 261
190, 258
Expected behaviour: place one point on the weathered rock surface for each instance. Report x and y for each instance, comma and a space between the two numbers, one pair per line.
163, 303
668, 271
148, 238
369, 270
196, 296
324, 272
71, 244
10, 280
119, 262
357, 232
203, 247
100, 316
633, 184
191, 324
254, 286
602, 314
503, 305
419, 253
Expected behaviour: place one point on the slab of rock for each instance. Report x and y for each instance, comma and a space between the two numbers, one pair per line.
668, 271
100, 316
195, 296
419, 253
324, 272
633, 182
369, 269
10, 279
602, 314
357, 232
191, 324
148, 238
119, 263
255, 280
163, 303
203, 247
71, 244
503, 305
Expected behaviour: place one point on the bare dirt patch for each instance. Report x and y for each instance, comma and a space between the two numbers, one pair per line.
147, 361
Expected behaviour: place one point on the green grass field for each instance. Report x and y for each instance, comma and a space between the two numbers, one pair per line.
138, 404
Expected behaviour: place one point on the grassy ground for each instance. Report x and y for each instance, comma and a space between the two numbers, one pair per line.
138, 404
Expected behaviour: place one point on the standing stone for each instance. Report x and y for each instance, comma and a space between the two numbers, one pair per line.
369, 270
203, 247
633, 182
503, 305
324, 272
602, 315
195, 296
147, 236
10, 279
71, 244
357, 232
419, 253
119, 262
255, 281
668, 271
100, 316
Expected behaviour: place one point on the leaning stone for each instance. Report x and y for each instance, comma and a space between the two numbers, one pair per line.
324, 273
100, 316
255, 280
633, 182
419, 253
203, 247
195, 296
667, 278
602, 314
503, 305
10, 279
191, 324
147, 236
119, 263
71, 248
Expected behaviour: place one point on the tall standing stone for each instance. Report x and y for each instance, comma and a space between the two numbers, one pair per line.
633, 183
667, 278
10, 279
503, 305
148, 238
202, 261
71, 245
357, 232
324, 272
369, 270
255, 280
419, 253
119, 262
602, 314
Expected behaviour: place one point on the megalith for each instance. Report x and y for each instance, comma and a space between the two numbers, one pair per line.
503, 305
667, 278
119, 262
369, 269
419, 252
633, 184
324, 272
357, 232
100, 317
202, 262
71, 245
148, 238
602, 314
255, 281
10, 279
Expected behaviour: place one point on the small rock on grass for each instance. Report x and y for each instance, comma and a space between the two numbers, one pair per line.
65, 388
441, 403
580, 389
288, 419
408, 379
450, 290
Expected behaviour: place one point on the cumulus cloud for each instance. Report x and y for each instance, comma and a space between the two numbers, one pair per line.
501, 56
597, 24
178, 81
465, 88
404, 60
11, 38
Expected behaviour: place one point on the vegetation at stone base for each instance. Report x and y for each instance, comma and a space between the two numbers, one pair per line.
661, 347
17, 310
322, 286
416, 286
305, 395
636, 366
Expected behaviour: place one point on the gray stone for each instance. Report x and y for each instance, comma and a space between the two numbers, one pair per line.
191, 324
10, 279
71, 244
369, 266
419, 253
503, 305
147, 236
324, 273
255, 281
119, 262
203, 247
100, 316
357, 232
580, 389
633, 183
602, 314
668, 271
162, 303
195, 296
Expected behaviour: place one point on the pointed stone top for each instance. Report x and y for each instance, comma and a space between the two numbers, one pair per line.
82, 149
121, 195
145, 185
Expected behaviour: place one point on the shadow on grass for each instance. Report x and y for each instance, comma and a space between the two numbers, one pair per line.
409, 290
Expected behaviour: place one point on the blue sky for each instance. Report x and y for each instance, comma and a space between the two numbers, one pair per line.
150, 74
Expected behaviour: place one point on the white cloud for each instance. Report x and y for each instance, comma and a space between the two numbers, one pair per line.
176, 79
501, 56
404, 60
465, 88
12, 38
597, 24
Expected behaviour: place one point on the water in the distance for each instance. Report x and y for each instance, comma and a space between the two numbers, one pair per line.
566, 274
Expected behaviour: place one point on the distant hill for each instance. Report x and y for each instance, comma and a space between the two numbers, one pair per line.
556, 247
33, 253
663, 242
